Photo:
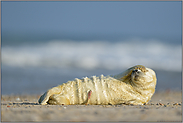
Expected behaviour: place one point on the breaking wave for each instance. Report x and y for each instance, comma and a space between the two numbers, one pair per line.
94, 54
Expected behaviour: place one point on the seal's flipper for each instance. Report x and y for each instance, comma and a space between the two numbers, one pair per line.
46, 96
88, 98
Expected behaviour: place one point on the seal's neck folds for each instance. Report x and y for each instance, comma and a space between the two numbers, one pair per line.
124, 76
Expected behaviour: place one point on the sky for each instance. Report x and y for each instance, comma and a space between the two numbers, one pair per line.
92, 18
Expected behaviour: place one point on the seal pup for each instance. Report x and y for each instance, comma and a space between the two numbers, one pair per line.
134, 86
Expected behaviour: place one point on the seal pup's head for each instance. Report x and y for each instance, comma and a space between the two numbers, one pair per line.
141, 75
141, 78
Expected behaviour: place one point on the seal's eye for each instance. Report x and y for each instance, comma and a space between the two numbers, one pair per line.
136, 71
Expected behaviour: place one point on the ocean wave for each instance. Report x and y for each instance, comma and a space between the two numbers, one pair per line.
95, 54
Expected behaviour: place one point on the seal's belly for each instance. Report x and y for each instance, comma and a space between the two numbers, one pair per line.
77, 91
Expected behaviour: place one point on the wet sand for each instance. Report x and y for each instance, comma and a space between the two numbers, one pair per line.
164, 106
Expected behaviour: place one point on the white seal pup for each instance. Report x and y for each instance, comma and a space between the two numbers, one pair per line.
134, 86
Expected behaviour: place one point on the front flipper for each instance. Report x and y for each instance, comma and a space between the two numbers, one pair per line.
88, 98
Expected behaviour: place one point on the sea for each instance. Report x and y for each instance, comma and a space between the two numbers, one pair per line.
32, 67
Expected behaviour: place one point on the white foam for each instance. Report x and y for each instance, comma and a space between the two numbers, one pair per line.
95, 54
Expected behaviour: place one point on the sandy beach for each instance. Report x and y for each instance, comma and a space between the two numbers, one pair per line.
164, 106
